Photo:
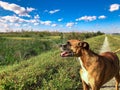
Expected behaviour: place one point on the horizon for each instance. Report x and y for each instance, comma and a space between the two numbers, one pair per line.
34, 31
61, 16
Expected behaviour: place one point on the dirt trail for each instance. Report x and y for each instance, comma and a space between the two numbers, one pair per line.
105, 46
111, 84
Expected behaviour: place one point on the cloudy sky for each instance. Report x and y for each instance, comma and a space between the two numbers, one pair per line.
60, 15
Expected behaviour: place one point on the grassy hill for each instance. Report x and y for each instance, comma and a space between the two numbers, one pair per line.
49, 71
114, 41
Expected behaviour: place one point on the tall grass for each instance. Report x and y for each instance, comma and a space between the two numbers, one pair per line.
15, 50
17, 46
48, 71
114, 43
96, 43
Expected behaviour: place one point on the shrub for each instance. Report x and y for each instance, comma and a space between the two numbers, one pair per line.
12, 51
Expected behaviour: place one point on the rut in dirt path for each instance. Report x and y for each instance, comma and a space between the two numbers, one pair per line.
105, 46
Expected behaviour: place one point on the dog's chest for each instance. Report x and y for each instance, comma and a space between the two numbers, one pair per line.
83, 72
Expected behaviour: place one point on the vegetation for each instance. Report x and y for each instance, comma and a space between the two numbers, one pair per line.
82, 36
42, 72
47, 70
114, 42
46, 34
12, 50
17, 46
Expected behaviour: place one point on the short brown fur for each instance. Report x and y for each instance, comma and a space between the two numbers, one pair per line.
96, 69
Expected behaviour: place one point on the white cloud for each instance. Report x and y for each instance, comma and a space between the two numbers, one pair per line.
70, 24
12, 22
15, 19
4, 27
87, 18
48, 23
60, 19
12, 19
15, 22
17, 25
21, 11
114, 7
102, 17
35, 24
54, 25
29, 9
32, 21
54, 11
37, 17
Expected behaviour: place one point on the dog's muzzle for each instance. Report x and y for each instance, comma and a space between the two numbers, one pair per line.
66, 54
65, 51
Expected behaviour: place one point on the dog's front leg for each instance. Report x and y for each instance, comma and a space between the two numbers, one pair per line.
85, 86
117, 78
95, 87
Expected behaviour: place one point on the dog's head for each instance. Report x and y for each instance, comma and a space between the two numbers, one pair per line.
73, 48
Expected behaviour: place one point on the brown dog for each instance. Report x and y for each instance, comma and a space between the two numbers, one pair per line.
96, 69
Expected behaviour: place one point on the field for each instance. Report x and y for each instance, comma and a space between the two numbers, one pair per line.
38, 65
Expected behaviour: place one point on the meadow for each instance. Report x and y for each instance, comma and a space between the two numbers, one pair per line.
13, 50
38, 65
15, 47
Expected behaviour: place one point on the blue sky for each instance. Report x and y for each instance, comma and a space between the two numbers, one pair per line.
60, 15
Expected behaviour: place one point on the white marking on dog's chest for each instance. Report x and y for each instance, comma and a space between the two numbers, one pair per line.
84, 74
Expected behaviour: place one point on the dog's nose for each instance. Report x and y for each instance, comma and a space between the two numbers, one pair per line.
63, 45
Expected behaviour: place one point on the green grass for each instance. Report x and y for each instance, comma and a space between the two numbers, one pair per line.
46, 71
96, 43
49, 71
33, 38
13, 50
114, 41
20, 38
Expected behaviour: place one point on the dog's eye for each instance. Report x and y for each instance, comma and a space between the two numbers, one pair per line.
68, 43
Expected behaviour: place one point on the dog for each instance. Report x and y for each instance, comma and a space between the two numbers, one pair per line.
96, 69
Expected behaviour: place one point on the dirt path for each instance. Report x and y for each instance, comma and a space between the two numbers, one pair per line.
111, 84
105, 46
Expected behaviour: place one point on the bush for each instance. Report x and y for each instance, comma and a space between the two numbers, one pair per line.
81, 36
12, 51
45, 72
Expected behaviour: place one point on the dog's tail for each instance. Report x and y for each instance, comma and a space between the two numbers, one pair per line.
117, 50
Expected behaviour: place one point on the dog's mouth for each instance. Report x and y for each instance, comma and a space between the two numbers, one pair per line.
66, 51
66, 54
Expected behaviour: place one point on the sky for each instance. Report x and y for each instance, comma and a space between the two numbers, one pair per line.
60, 15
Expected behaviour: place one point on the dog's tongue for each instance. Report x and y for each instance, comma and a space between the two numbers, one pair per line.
63, 54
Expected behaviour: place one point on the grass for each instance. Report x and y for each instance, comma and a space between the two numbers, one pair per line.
14, 50
33, 38
114, 43
48, 71
43, 72
20, 38
96, 43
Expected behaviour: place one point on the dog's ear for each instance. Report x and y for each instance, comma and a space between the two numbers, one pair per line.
84, 45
